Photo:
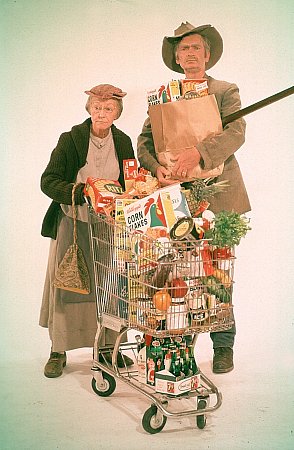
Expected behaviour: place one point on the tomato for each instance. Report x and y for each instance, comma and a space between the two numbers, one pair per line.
162, 300
179, 288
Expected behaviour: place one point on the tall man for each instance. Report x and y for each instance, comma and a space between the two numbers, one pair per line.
193, 50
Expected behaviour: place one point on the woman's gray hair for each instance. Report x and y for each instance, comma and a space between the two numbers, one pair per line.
118, 101
206, 43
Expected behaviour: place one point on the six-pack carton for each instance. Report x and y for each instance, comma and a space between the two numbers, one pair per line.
167, 383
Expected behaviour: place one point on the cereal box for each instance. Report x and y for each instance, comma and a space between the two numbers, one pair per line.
198, 86
174, 91
178, 199
121, 236
155, 210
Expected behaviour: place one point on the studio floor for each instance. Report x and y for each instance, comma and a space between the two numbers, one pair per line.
257, 411
65, 413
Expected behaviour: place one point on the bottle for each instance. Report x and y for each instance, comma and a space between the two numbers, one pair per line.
172, 368
192, 363
164, 351
182, 358
140, 342
167, 342
193, 366
185, 365
167, 361
177, 370
142, 366
159, 364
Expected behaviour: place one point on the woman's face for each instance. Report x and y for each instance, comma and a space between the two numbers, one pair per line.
103, 113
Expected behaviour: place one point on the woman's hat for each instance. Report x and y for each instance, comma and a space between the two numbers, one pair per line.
106, 92
168, 45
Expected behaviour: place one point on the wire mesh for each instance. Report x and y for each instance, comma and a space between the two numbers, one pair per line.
157, 285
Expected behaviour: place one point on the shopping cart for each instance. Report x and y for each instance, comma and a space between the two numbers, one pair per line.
167, 292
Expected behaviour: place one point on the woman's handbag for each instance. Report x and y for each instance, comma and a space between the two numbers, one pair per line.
72, 273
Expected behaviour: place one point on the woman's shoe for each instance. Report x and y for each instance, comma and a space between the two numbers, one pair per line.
55, 365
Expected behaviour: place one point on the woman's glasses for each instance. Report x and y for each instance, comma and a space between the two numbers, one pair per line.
105, 109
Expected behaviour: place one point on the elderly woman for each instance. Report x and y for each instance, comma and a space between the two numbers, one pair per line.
93, 148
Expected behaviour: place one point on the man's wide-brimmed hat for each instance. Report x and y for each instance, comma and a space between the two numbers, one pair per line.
169, 42
106, 92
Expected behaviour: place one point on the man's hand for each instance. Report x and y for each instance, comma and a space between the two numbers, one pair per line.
163, 176
185, 162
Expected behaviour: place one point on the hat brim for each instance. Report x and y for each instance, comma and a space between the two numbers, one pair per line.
216, 47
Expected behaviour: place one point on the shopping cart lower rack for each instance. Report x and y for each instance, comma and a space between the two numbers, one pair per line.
167, 292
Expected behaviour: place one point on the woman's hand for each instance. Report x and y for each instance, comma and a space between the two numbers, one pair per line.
163, 176
185, 162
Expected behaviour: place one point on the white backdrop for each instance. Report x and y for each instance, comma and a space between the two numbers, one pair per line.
54, 50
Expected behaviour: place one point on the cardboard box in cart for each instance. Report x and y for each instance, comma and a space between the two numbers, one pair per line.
155, 210
167, 383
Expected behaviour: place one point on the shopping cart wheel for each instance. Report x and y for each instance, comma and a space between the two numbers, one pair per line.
153, 420
201, 419
105, 387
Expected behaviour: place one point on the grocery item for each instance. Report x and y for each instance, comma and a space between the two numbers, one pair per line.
155, 210
200, 87
130, 169
162, 300
101, 192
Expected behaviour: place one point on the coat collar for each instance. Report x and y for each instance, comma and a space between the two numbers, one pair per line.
81, 134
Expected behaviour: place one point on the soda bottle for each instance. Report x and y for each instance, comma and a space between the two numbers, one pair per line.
192, 363
177, 370
167, 361
140, 342
172, 368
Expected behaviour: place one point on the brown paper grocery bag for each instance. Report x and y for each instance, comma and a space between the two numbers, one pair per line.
180, 125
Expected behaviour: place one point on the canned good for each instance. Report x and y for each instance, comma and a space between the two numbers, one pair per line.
198, 308
181, 229
176, 316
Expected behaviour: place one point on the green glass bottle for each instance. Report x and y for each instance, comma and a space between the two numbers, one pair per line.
192, 363
177, 371
172, 368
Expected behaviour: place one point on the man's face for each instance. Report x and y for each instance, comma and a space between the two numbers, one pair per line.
192, 56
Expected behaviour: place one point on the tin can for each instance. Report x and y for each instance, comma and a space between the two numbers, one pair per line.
199, 311
176, 317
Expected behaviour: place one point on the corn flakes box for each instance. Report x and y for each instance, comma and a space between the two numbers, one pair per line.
121, 234
155, 210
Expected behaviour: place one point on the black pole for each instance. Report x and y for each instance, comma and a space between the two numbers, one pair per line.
249, 109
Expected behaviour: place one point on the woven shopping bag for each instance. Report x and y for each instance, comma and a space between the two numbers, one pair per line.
72, 273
